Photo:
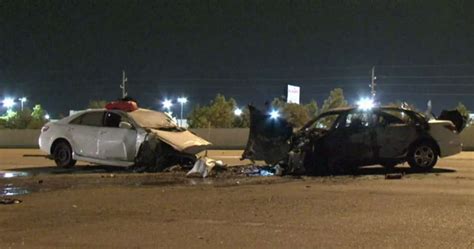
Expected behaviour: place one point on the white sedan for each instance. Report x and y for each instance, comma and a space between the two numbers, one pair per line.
120, 138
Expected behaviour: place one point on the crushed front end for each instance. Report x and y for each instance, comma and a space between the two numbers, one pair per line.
273, 141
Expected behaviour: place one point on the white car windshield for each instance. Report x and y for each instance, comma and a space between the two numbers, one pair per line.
152, 119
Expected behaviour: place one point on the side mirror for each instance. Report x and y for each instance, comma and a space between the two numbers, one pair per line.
125, 125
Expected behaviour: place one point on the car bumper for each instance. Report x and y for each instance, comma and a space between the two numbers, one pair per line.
450, 148
44, 143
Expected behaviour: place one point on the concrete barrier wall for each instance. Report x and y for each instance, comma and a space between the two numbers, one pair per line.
467, 138
19, 138
224, 138
221, 138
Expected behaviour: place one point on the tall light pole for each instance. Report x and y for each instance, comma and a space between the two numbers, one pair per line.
372, 83
182, 101
123, 86
22, 101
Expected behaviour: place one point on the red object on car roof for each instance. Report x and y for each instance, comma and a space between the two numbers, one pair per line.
128, 106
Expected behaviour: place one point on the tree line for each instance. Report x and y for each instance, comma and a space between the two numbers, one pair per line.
219, 113
24, 119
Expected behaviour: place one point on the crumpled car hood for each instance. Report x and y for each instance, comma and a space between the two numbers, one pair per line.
268, 138
454, 116
182, 141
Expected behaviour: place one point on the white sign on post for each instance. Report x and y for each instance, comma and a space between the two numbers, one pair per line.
293, 94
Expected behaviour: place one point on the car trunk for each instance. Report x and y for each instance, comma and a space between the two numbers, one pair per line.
455, 117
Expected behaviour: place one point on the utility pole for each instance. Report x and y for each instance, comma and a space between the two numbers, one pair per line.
372, 83
123, 86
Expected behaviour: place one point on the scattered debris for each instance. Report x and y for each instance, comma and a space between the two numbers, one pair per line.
108, 176
263, 170
394, 176
203, 167
8, 201
175, 168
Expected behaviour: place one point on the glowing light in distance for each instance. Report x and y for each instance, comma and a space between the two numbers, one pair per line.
182, 100
365, 104
8, 102
274, 114
238, 112
167, 104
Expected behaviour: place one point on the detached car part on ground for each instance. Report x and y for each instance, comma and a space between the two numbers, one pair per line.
347, 138
121, 135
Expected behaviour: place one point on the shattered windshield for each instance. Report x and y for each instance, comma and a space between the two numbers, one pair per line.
323, 122
152, 119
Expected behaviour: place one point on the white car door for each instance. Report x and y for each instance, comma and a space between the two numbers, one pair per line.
84, 131
116, 143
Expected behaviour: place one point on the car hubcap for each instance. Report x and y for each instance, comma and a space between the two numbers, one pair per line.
424, 156
63, 155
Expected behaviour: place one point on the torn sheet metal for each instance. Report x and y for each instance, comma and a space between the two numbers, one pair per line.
182, 141
203, 167
454, 116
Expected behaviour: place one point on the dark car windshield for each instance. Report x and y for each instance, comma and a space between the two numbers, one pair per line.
324, 121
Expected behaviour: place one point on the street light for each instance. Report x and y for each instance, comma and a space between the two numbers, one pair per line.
182, 101
167, 104
22, 100
8, 103
365, 104
238, 112
46, 116
274, 114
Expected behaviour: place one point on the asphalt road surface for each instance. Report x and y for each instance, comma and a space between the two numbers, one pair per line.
108, 207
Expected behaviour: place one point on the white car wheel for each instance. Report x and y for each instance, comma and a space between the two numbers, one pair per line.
423, 156
62, 154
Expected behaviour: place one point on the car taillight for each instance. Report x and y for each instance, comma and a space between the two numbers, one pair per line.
44, 128
450, 127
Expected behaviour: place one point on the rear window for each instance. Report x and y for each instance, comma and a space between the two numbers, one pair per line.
388, 117
358, 119
89, 119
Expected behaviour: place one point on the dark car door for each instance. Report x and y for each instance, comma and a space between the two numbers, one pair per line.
352, 139
395, 131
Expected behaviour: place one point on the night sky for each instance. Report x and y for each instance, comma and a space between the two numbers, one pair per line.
64, 53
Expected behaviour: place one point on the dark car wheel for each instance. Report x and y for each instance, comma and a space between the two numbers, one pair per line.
62, 154
423, 156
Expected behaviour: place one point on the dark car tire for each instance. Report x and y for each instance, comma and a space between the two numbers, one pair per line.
62, 155
422, 156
